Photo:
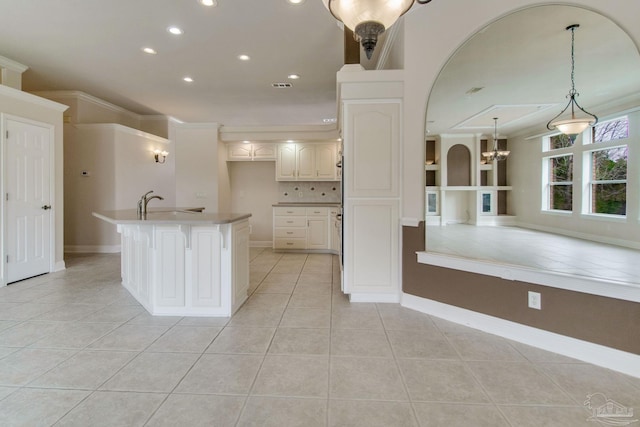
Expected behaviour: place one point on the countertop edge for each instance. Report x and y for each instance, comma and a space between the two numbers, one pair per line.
129, 217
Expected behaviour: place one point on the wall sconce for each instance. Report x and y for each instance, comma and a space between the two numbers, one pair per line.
160, 155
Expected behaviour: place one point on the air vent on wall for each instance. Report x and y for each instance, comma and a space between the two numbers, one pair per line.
281, 85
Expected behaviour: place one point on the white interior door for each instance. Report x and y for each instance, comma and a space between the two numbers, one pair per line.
27, 199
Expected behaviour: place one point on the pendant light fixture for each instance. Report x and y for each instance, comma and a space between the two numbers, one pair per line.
495, 154
574, 125
369, 18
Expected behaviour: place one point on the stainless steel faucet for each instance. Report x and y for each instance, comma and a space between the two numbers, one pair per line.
144, 201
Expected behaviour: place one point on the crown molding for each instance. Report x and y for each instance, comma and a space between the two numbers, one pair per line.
123, 129
33, 99
12, 65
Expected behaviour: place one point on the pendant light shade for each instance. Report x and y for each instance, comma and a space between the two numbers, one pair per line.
495, 154
574, 124
369, 18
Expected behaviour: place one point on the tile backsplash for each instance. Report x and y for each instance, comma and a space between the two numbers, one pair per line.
309, 192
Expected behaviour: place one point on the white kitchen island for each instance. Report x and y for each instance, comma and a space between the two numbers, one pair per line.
177, 262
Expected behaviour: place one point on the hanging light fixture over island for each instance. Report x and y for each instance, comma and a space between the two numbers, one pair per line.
369, 18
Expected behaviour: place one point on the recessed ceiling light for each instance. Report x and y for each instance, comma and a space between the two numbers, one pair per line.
246, 142
149, 50
331, 120
295, 1
175, 31
208, 2
244, 57
293, 76
188, 79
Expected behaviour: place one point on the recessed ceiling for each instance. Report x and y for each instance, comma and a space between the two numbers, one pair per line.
95, 46
522, 65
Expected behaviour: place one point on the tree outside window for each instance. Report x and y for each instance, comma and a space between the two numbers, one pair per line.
561, 183
609, 181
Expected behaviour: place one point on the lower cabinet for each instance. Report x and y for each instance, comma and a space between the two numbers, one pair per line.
302, 228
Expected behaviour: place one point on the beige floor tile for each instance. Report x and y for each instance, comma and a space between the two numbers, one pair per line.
185, 339
75, 335
146, 319
22, 367
152, 372
360, 342
580, 380
440, 381
69, 312
234, 340
86, 370
351, 378
484, 347
24, 311
421, 344
306, 318
108, 408
293, 376
267, 301
538, 355
457, 415
280, 412
537, 416
354, 413
355, 317
27, 333
198, 411
302, 299
38, 407
284, 278
213, 322
275, 288
300, 341
6, 324
221, 374
395, 317
257, 317
130, 338
6, 391
114, 314
518, 383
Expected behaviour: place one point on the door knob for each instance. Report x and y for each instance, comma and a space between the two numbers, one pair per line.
46, 207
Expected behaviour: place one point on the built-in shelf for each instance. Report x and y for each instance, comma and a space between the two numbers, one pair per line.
471, 188
432, 167
486, 167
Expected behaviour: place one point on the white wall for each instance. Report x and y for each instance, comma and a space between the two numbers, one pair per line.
254, 189
196, 163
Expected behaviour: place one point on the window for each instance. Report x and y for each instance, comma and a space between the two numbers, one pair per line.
559, 141
611, 130
608, 183
560, 181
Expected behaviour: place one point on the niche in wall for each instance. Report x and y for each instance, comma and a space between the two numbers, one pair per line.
459, 166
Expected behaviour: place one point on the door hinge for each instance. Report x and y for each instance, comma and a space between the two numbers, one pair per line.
6, 197
7, 134
7, 259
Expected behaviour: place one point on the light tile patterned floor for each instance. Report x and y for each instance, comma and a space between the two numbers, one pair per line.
77, 350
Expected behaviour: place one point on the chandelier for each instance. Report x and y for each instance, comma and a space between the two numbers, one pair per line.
574, 125
369, 18
495, 154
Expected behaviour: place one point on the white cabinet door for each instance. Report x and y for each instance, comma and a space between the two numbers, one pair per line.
317, 233
239, 152
240, 280
306, 154
326, 162
286, 163
263, 151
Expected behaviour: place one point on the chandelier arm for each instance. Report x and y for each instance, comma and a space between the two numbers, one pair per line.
559, 114
585, 111
423, 1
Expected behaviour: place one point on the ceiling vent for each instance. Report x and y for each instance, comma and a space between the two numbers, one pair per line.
281, 85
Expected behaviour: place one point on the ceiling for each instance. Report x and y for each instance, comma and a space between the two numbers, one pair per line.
95, 46
522, 65
521, 62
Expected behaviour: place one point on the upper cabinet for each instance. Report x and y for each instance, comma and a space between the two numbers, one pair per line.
307, 162
251, 152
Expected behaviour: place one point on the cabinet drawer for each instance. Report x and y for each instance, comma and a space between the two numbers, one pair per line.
289, 221
290, 232
292, 243
317, 211
289, 211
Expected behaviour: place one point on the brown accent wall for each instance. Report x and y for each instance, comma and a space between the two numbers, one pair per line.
600, 320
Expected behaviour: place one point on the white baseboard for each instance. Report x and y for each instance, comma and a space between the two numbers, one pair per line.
90, 249
366, 297
617, 360
59, 266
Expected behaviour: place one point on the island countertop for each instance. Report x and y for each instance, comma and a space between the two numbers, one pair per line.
189, 216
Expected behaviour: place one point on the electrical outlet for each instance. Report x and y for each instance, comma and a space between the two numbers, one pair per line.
300, 194
535, 300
